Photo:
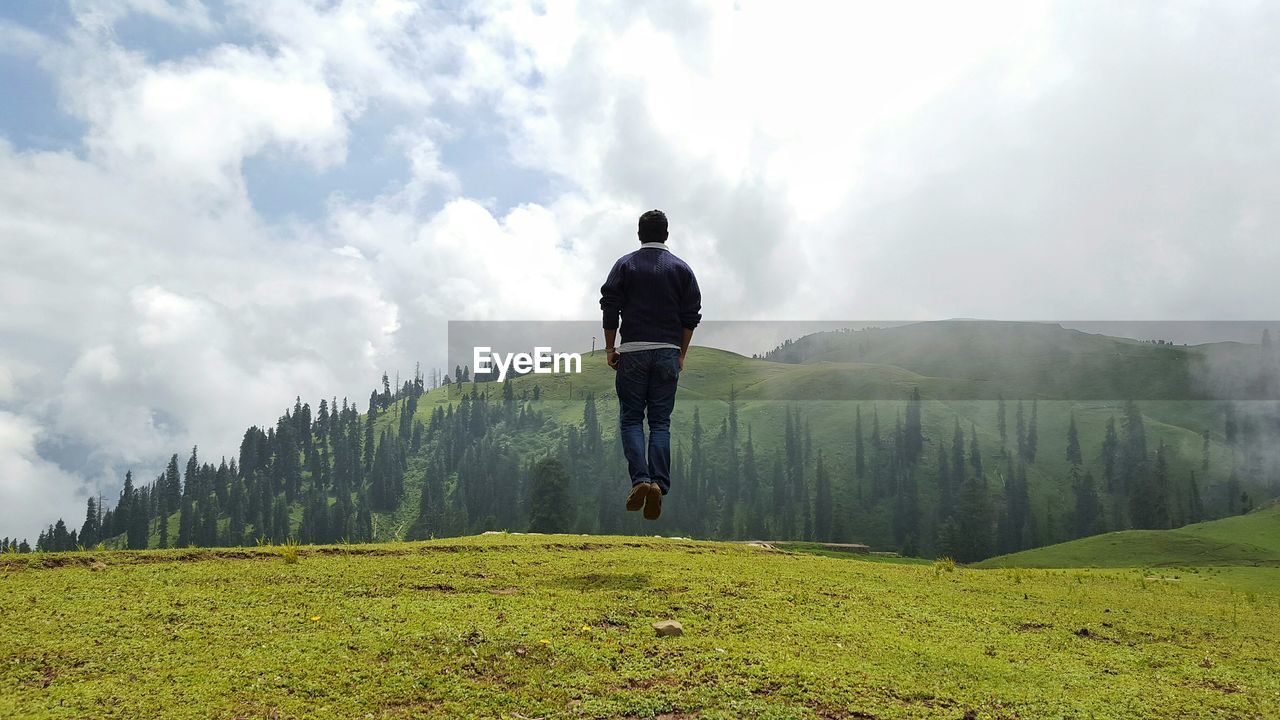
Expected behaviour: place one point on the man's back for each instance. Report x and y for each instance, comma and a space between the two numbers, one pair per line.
656, 294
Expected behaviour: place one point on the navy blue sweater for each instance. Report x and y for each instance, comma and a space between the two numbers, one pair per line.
656, 294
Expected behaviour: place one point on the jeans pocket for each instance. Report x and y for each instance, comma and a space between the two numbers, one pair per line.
671, 368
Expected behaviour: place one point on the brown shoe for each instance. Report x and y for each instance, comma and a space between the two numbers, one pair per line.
639, 492
653, 503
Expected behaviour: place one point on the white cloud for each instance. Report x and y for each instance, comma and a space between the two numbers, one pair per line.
33, 492
1015, 160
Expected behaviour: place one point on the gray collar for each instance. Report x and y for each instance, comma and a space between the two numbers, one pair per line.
660, 246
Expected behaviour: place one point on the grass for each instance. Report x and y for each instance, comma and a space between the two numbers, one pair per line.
1252, 539
558, 627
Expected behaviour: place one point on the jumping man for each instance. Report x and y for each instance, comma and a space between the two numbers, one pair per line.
657, 296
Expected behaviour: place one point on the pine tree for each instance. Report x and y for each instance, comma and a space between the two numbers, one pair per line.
1195, 506
187, 523
364, 520
1111, 456
1133, 462
913, 433
1149, 495
1002, 424
1087, 519
1032, 436
823, 510
972, 535
1073, 442
1204, 454
1015, 527
859, 453
877, 455
124, 507
90, 533
280, 529
958, 471
1020, 426
946, 491
975, 455
551, 509
139, 523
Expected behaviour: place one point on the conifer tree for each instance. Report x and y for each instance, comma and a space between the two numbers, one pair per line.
1087, 519
90, 533
1195, 506
280, 529
975, 455
1149, 495
1133, 462
958, 470
972, 536
946, 491
913, 433
859, 453
1020, 427
124, 507
1110, 457
823, 503
1032, 436
1002, 424
139, 523
1073, 442
187, 523
550, 510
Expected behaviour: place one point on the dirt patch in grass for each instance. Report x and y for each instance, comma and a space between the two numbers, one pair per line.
605, 581
49, 561
1222, 686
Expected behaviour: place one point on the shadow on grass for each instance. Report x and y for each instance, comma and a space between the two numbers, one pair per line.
604, 581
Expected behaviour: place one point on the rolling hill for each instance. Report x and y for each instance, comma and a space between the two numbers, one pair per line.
1252, 539
1046, 360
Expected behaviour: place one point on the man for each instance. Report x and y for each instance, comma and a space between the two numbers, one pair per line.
657, 296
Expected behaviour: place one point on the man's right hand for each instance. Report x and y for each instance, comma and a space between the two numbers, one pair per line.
612, 358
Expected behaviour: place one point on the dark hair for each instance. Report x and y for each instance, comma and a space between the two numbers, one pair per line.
653, 226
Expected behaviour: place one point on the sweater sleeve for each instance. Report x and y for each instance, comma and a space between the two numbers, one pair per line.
611, 294
691, 304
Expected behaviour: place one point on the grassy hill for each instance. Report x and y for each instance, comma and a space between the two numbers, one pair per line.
828, 394
1252, 539
958, 375
1045, 360
558, 627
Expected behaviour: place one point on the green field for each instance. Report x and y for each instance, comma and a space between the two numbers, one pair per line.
524, 626
1252, 539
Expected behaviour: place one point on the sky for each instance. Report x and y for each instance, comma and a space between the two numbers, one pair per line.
209, 208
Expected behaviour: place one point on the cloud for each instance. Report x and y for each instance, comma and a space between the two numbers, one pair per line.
33, 491
1011, 160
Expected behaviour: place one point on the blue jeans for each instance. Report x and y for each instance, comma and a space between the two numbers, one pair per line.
646, 384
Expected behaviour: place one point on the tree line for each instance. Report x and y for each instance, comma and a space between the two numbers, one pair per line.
494, 459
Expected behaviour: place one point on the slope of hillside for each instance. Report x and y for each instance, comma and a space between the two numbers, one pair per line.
559, 627
1252, 539
1042, 360
828, 395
